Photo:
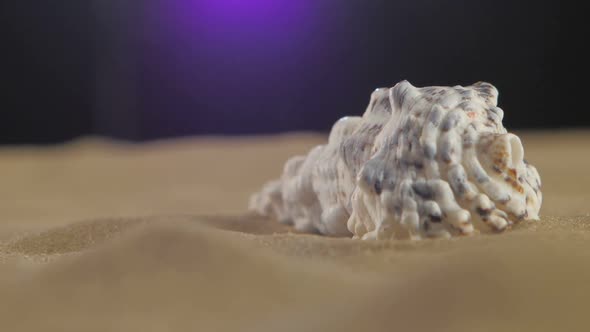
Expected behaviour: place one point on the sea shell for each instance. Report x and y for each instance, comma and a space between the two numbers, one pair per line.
420, 162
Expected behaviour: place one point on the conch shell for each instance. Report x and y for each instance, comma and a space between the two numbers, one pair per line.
420, 162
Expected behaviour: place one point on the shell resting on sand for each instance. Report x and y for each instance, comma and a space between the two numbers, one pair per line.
420, 162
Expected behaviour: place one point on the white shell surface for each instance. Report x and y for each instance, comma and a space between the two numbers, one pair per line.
420, 162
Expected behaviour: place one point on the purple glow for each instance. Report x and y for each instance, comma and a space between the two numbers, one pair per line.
251, 9
228, 39
252, 26
259, 53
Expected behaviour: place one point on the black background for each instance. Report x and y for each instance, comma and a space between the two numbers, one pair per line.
127, 70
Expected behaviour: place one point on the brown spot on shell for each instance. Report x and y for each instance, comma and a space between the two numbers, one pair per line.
514, 185
512, 173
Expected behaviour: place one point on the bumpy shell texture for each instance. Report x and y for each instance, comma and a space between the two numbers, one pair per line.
420, 162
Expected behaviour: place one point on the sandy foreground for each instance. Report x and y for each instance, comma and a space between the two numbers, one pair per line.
98, 235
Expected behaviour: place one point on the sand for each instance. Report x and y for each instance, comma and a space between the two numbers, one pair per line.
97, 235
